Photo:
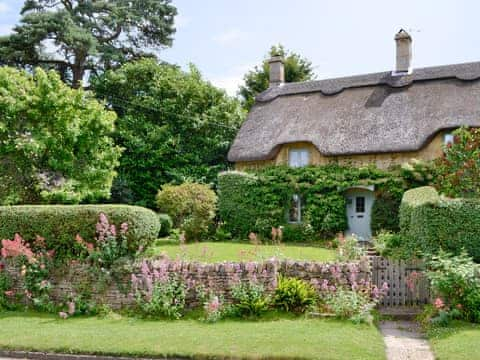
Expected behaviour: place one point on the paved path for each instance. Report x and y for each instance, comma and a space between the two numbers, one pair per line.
403, 341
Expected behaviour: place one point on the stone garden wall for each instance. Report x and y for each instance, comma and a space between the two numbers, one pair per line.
217, 278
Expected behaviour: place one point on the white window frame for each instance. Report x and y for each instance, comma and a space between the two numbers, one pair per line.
298, 200
448, 138
298, 157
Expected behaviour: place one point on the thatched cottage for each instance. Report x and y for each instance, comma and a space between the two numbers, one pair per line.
384, 118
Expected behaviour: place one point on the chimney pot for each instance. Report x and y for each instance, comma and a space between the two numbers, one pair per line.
404, 53
277, 70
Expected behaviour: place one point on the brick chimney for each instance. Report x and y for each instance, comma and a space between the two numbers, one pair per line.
277, 71
403, 64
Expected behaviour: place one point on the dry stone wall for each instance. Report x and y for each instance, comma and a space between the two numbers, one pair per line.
217, 278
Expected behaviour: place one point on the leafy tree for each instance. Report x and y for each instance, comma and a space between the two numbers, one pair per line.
174, 126
297, 69
87, 35
55, 143
458, 171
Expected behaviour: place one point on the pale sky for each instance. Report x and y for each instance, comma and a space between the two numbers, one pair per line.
225, 38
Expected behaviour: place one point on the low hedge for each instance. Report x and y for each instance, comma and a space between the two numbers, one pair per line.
429, 223
59, 224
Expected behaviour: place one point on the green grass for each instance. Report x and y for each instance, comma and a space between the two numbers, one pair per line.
221, 251
460, 341
274, 339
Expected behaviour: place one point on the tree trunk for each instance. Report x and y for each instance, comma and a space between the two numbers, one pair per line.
78, 72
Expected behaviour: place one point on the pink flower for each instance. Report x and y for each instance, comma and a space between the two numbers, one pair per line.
438, 303
9, 293
63, 315
16, 247
123, 228
113, 230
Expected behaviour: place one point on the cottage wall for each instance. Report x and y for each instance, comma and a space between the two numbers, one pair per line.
431, 151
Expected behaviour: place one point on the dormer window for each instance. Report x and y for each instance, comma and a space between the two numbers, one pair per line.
448, 138
298, 157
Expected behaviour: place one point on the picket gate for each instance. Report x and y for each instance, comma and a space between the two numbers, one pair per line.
408, 285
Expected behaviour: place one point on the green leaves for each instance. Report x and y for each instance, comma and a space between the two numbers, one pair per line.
174, 125
90, 35
55, 142
297, 69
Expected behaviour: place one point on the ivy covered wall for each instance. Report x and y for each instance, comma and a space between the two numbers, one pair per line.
258, 201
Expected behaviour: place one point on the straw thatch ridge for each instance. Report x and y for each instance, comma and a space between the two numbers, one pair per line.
374, 113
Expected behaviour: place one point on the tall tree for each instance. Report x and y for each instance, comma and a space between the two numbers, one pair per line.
297, 68
174, 126
56, 142
87, 35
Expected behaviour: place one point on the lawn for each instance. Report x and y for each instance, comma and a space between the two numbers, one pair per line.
220, 251
460, 341
280, 338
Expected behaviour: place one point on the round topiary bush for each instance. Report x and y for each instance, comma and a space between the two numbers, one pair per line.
191, 206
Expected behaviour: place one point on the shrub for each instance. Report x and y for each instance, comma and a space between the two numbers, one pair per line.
294, 295
349, 304
387, 243
349, 248
249, 299
385, 212
191, 207
165, 225
458, 171
456, 280
256, 202
429, 223
60, 224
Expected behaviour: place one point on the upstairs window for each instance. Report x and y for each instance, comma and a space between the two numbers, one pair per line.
295, 210
448, 138
298, 157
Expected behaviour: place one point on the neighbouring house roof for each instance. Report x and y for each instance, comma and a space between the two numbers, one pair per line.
373, 113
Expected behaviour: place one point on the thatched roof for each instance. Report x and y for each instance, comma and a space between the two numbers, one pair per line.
374, 113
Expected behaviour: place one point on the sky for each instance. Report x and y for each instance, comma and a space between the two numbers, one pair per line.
226, 38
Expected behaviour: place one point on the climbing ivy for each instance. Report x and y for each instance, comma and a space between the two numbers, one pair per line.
257, 201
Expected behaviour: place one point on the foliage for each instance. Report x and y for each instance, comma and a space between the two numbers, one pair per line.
214, 308
297, 68
429, 223
6, 292
60, 225
294, 295
456, 280
458, 171
385, 211
93, 36
55, 142
35, 263
191, 207
249, 299
349, 304
158, 293
175, 126
166, 224
111, 245
387, 243
257, 202
349, 248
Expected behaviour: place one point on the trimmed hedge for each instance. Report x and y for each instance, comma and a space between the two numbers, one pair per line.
430, 223
256, 202
59, 224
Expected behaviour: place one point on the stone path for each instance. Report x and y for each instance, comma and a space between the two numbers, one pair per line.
403, 341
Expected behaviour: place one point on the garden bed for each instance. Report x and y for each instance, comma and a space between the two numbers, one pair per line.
283, 337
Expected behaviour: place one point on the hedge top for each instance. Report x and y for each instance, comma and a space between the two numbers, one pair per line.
59, 224
421, 196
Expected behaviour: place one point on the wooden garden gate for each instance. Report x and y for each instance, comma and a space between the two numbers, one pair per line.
408, 285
